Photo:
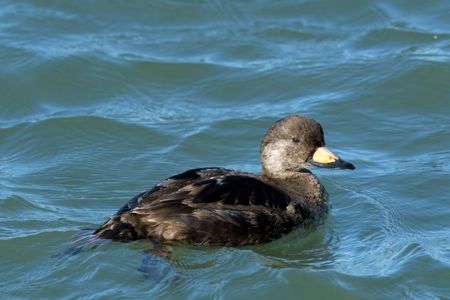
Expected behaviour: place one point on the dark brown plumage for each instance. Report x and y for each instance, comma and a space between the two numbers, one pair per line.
219, 206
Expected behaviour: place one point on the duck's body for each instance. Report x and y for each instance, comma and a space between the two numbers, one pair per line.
219, 206
215, 206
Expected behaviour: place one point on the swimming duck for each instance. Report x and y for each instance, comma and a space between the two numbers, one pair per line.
218, 206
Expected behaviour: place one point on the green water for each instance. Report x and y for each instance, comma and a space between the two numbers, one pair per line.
102, 100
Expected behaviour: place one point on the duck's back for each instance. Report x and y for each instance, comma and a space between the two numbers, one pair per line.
206, 206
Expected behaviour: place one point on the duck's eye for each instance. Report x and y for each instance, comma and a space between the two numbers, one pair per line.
295, 140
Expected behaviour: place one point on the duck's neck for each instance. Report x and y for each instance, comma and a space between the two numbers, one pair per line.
309, 199
302, 186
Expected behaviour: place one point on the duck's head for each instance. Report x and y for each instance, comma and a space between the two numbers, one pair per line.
295, 143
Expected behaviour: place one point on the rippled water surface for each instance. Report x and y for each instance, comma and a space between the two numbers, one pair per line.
101, 100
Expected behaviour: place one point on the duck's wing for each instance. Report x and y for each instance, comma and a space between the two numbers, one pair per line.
208, 188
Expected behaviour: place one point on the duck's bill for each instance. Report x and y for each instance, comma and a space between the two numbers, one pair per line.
324, 158
337, 164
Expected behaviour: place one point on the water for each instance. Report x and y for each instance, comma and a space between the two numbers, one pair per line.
101, 101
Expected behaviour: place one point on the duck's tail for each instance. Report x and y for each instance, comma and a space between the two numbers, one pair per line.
83, 240
117, 229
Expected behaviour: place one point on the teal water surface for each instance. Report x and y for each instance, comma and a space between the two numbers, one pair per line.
100, 101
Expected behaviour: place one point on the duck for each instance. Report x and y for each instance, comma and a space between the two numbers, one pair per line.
225, 207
